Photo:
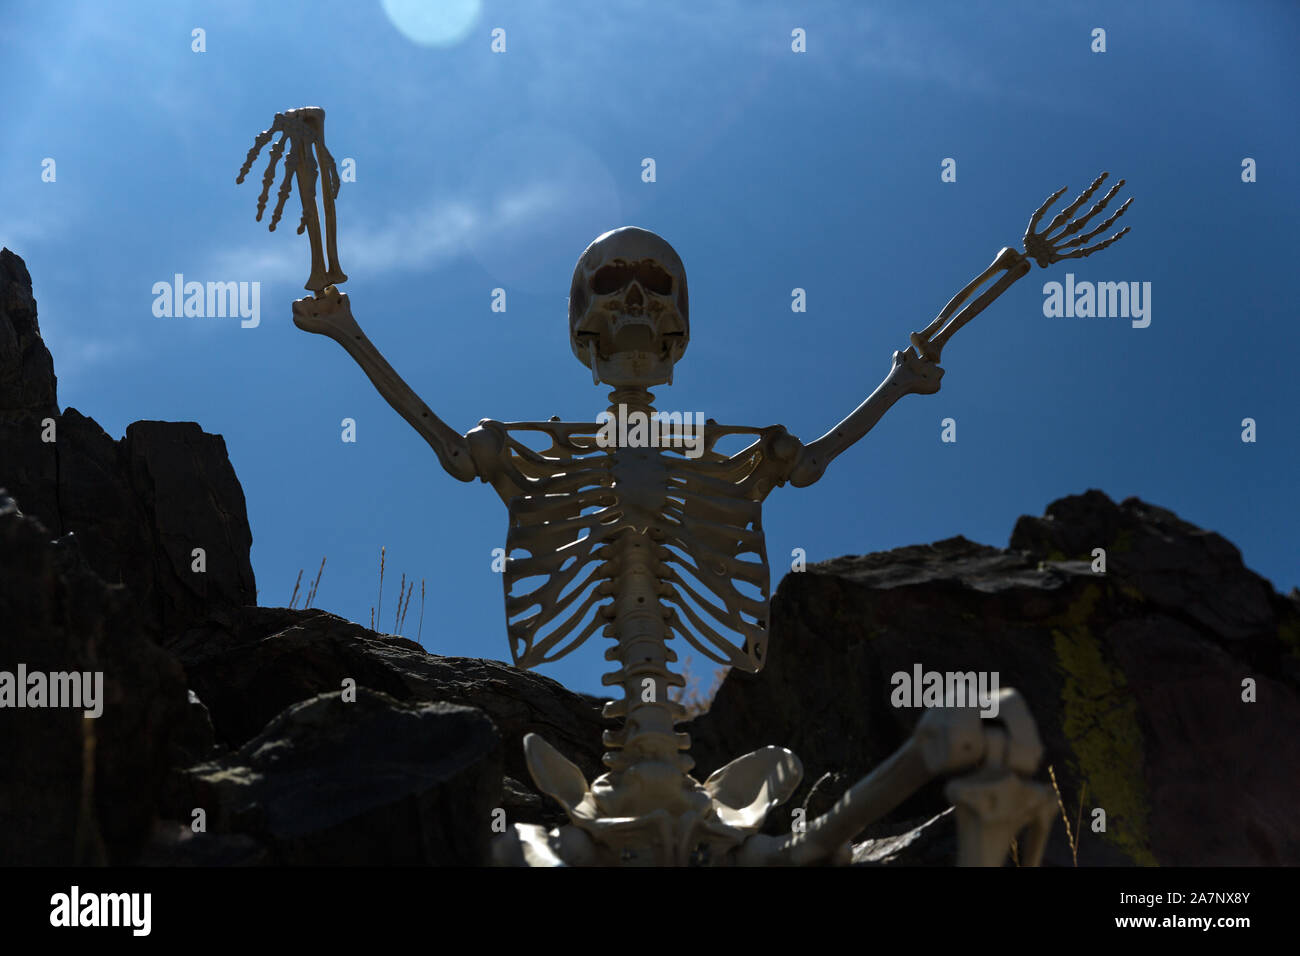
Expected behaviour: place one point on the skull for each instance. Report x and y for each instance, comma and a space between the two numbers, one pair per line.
628, 315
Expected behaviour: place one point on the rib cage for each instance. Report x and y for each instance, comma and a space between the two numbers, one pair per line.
570, 502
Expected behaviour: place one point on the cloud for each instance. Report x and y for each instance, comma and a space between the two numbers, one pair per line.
20, 232
424, 237
420, 237
74, 354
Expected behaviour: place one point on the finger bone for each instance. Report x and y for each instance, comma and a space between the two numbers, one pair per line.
1071, 209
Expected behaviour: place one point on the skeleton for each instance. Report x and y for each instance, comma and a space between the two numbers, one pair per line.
646, 545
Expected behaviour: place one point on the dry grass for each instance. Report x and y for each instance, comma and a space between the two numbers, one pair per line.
311, 595
311, 592
694, 697
373, 615
1071, 834
405, 591
421, 629
399, 619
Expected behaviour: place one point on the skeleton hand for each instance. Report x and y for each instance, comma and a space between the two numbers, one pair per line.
916, 374
304, 129
1045, 248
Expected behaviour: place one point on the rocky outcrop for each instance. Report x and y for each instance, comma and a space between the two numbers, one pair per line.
74, 790
271, 658
27, 382
325, 778
368, 781
1135, 676
139, 506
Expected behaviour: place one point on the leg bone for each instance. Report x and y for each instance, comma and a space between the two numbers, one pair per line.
992, 811
827, 838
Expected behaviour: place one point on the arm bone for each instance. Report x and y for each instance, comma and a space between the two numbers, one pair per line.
1013, 263
909, 374
331, 315
903, 379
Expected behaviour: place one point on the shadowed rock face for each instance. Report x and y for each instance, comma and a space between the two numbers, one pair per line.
138, 506
75, 790
367, 781
385, 778
272, 658
27, 382
1134, 676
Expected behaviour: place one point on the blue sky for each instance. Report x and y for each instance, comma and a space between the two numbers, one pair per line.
775, 170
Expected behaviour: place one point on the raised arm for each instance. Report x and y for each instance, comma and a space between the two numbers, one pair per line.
919, 372
328, 311
330, 314
909, 374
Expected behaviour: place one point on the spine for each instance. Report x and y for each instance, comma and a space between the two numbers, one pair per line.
641, 650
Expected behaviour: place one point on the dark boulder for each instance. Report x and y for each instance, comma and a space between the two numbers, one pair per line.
271, 658
374, 781
140, 506
1135, 677
76, 790
28, 387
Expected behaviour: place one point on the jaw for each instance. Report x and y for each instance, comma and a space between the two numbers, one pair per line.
634, 354
632, 369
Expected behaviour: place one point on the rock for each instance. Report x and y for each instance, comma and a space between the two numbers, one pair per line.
58, 616
930, 842
28, 394
186, 486
28, 387
1134, 677
139, 506
820, 794
272, 658
195, 739
176, 844
372, 782
42, 780
1184, 571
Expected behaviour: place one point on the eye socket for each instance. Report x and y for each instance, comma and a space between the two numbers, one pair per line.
618, 275
609, 279
654, 279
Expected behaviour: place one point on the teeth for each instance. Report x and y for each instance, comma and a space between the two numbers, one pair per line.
622, 321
